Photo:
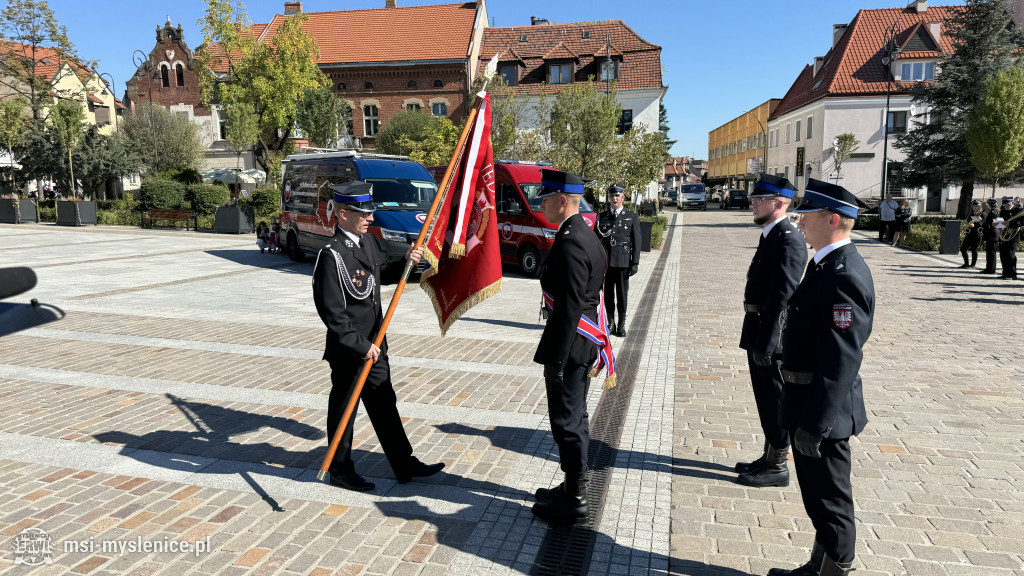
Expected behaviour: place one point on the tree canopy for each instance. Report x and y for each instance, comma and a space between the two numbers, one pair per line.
322, 116
163, 140
995, 130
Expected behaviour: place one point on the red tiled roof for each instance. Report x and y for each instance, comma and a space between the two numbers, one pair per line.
95, 99
604, 51
510, 55
51, 60
438, 32
641, 61
854, 66
560, 52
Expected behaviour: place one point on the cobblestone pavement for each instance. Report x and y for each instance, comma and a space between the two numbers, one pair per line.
182, 397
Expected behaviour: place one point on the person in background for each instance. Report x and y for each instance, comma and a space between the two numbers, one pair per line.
261, 236
991, 236
902, 227
887, 214
972, 238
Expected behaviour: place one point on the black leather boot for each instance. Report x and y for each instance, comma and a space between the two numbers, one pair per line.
830, 567
774, 473
569, 507
621, 332
812, 568
549, 494
744, 467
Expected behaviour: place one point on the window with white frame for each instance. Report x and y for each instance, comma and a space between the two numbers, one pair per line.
917, 71
797, 130
370, 120
788, 127
559, 73
897, 122
439, 109
810, 133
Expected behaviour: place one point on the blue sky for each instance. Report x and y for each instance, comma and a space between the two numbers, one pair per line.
720, 57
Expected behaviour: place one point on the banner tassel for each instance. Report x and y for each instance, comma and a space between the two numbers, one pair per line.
457, 251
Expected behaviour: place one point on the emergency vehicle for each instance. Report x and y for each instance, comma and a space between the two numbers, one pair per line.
525, 234
402, 193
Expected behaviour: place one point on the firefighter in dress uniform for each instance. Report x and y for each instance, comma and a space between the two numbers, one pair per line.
571, 279
1009, 237
774, 273
827, 321
346, 290
990, 234
619, 230
972, 238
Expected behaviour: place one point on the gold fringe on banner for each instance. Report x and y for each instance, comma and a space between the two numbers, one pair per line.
457, 251
609, 382
474, 299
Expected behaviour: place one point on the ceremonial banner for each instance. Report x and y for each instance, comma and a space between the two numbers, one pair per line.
462, 249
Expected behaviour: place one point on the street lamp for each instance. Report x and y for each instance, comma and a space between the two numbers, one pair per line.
142, 62
890, 52
112, 86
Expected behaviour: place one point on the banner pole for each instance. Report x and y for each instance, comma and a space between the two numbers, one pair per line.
442, 189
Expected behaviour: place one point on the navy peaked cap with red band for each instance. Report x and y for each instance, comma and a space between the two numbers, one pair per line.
356, 195
824, 196
556, 182
768, 185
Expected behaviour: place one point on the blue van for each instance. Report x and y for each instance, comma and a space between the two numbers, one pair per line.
402, 193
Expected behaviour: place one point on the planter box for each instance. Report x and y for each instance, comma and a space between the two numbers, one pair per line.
646, 229
234, 220
17, 211
71, 213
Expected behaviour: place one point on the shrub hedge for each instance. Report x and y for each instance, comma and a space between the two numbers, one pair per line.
161, 193
204, 199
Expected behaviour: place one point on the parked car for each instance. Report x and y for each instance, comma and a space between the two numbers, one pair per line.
735, 198
667, 198
716, 194
692, 196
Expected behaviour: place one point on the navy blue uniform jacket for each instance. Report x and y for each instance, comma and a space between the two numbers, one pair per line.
352, 323
624, 232
772, 277
573, 276
827, 322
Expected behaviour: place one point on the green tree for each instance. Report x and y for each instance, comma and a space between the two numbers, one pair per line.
12, 127
843, 148
639, 159
36, 40
582, 130
271, 76
995, 129
66, 118
983, 45
403, 132
242, 127
323, 117
164, 141
437, 145
663, 125
101, 158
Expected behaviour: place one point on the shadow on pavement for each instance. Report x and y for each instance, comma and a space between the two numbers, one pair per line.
515, 439
509, 514
266, 260
506, 323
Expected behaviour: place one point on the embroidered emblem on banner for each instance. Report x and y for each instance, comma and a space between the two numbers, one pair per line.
842, 316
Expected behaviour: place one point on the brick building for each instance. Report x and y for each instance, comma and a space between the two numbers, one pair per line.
427, 63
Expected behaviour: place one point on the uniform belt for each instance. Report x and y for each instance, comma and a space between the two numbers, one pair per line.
793, 377
614, 243
755, 308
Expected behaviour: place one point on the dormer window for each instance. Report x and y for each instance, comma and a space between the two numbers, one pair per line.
560, 73
609, 70
510, 74
917, 71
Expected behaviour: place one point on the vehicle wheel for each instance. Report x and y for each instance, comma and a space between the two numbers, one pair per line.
529, 261
704, 208
294, 252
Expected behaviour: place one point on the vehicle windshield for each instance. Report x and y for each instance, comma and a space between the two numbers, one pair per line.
402, 193
693, 189
737, 193
531, 189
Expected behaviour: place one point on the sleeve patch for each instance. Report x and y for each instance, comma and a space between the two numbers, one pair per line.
842, 315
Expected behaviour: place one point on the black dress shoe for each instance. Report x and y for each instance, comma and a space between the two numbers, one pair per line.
351, 481
621, 332
418, 469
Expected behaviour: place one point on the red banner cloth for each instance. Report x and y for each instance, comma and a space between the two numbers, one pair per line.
462, 249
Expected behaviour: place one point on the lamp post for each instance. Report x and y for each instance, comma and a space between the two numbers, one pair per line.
113, 85
142, 62
890, 52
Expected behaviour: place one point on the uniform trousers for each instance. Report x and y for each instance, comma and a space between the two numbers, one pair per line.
381, 404
970, 244
1008, 258
567, 411
616, 287
767, 384
828, 497
991, 248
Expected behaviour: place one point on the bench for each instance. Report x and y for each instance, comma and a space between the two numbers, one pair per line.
170, 214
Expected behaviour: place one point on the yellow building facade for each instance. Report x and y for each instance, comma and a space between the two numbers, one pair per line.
736, 149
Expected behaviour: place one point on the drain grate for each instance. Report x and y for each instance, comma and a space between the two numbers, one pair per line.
566, 550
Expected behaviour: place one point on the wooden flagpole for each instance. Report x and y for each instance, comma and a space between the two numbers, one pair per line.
354, 399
